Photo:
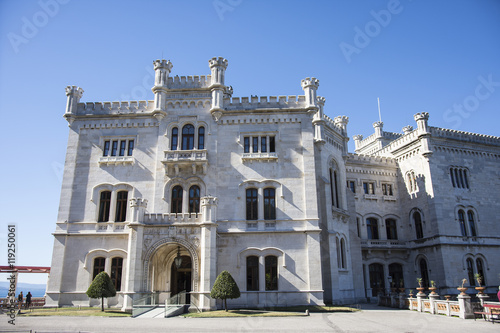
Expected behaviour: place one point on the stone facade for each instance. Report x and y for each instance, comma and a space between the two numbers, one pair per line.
257, 186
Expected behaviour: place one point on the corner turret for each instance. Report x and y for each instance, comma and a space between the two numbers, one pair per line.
357, 141
378, 126
74, 94
422, 119
162, 70
424, 133
218, 67
310, 85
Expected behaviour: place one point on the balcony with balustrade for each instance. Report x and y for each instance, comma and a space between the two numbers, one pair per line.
195, 160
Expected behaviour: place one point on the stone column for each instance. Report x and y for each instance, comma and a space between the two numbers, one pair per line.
208, 253
133, 278
420, 299
432, 299
465, 307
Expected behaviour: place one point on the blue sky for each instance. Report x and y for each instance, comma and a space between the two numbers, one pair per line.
436, 56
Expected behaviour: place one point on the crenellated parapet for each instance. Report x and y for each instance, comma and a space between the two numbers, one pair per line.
189, 82
370, 159
264, 102
437, 132
114, 108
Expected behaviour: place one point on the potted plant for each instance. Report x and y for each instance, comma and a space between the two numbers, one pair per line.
433, 287
401, 286
479, 280
462, 289
411, 293
420, 288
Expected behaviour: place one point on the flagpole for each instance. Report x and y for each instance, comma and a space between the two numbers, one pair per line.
379, 114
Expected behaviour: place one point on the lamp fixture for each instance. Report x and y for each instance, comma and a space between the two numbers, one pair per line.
178, 259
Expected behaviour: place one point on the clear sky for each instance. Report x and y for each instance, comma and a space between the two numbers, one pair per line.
442, 57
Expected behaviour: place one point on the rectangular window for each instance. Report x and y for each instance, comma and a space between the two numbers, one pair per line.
252, 208
271, 145
98, 266
116, 272
263, 144
121, 206
271, 265
369, 188
104, 204
351, 185
255, 144
386, 189
114, 148
130, 147
246, 144
269, 204
259, 144
105, 151
123, 145
391, 229
253, 273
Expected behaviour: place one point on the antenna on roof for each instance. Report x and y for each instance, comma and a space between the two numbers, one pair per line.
162, 55
379, 114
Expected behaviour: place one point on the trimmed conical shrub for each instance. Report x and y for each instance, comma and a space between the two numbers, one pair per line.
101, 287
225, 287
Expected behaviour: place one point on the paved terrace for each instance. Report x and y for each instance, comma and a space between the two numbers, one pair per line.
371, 319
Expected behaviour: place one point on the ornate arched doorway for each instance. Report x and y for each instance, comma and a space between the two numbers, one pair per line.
168, 276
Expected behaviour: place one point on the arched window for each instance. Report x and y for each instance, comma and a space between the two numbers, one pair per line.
271, 263
472, 223
194, 199
116, 272
411, 181
104, 204
480, 270
396, 272
372, 228
334, 188
461, 221
201, 137
99, 263
175, 138
269, 204
417, 220
424, 273
176, 202
121, 206
377, 282
392, 231
188, 137
342, 254
251, 201
470, 271
252, 273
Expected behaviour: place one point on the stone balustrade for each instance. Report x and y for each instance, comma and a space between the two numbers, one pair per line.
462, 307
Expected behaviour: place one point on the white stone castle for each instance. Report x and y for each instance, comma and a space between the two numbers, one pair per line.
165, 194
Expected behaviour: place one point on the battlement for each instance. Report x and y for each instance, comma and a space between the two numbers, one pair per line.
401, 141
369, 159
218, 61
114, 107
264, 102
189, 82
335, 126
438, 132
